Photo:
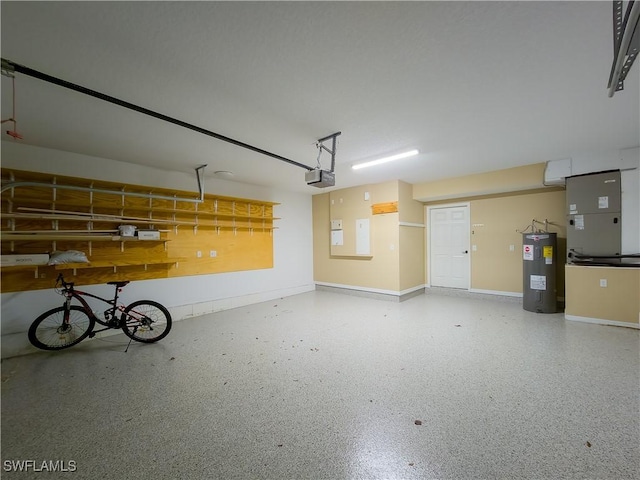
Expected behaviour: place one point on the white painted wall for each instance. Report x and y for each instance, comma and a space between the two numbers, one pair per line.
184, 296
630, 180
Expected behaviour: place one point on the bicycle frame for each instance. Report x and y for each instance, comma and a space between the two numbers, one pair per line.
69, 292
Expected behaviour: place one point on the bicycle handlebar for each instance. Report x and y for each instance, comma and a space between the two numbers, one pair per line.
60, 279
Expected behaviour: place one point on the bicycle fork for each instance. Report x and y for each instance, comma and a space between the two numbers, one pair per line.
66, 326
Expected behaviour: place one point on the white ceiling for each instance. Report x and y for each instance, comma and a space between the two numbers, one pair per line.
475, 86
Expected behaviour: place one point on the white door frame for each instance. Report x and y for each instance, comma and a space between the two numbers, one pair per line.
427, 237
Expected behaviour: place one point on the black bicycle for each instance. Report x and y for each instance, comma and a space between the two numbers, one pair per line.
62, 327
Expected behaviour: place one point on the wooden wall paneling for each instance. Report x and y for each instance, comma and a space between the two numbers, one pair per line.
238, 230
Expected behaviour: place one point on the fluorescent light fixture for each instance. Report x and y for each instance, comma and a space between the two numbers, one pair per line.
398, 156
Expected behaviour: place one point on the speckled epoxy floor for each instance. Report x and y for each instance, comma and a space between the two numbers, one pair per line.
323, 385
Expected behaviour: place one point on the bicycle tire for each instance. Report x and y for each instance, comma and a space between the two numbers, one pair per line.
146, 321
48, 332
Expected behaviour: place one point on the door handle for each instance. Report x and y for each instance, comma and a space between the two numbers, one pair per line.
466, 251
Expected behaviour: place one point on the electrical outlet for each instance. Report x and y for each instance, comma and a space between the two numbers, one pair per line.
213, 253
603, 282
199, 254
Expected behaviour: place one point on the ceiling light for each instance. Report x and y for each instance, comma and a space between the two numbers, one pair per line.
223, 174
398, 156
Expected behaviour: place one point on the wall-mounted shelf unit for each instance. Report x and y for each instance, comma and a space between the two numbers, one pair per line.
66, 213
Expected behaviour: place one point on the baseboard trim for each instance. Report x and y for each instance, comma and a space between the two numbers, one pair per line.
213, 306
601, 321
496, 292
493, 295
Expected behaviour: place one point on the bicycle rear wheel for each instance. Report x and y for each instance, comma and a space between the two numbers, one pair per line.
146, 321
50, 332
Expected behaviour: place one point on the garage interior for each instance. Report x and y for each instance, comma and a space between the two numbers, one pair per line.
469, 309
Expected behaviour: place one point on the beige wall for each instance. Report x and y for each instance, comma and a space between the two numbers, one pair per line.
494, 228
381, 270
348, 205
412, 260
412, 244
410, 210
619, 301
527, 177
396, 262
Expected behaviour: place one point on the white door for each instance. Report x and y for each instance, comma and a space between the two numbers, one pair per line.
449, 246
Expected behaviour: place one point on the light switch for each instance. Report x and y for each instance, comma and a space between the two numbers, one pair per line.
474, 248
603, 282
366, 195
512, 248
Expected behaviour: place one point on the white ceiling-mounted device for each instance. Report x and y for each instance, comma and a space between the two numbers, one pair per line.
323, 178
320, 178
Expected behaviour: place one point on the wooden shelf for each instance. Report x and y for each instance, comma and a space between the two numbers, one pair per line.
95, 218
21, 237
21, 267
95, 264
56, 232
21, 197
117, 264
237, 227
103, 217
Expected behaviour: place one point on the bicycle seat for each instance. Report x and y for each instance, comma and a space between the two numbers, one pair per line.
118, 284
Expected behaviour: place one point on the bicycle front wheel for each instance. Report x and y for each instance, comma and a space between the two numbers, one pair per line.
50, 331
146, 321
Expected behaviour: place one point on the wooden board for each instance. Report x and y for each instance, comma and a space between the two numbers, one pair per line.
380, 208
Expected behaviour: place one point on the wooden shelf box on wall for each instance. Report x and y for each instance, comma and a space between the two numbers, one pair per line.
219, 234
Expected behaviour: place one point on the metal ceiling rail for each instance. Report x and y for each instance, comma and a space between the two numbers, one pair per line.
10, 66
199, 170
628, 43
